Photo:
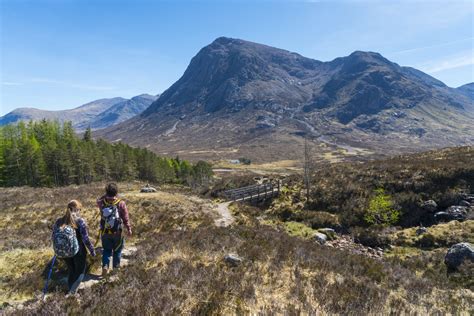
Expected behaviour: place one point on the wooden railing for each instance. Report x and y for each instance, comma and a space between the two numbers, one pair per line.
254, 193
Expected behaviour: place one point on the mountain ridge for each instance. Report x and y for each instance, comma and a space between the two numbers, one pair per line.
99, 113
242, 99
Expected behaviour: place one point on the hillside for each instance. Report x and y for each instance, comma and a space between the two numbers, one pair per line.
243, 99
179, 264
96, 114
467, 89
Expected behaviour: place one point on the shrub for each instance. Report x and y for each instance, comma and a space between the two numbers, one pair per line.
427, 240
317, 219
381, 211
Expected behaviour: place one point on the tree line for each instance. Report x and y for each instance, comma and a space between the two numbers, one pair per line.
48, 153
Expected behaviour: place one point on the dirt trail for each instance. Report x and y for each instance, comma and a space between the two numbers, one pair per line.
220, 210
225, 217
91, 279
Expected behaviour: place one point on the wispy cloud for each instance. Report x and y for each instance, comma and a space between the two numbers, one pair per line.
461, 60
71, 84
410, 50
11, 83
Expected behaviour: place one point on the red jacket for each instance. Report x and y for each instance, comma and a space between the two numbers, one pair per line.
122, 209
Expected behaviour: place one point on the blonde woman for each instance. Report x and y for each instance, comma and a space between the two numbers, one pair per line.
70, 239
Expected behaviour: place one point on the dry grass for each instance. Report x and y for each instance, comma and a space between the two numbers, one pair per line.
179, 268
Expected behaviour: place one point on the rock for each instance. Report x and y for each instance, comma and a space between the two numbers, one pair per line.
421, 230
468, 197
464, 203
329, 232
452, 213
148, 190
429, 206
320, 238
442, 217
457, 254
233, 259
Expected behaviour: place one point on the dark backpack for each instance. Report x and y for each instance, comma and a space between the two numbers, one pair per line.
110, 221
65, 243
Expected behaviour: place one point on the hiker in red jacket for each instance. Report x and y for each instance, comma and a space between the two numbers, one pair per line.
114, 219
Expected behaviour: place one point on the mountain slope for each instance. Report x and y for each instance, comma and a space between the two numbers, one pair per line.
98, 114
467, 89
239, 98
120, 112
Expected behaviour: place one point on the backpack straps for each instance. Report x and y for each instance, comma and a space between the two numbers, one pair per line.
117, 201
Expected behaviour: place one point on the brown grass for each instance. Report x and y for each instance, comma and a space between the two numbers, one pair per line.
179, 266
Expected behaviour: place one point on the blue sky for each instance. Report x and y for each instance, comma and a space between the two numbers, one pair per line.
61, 54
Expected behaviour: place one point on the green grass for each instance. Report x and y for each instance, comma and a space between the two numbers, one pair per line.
299, 230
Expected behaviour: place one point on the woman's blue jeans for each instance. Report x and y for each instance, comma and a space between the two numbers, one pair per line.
112, 245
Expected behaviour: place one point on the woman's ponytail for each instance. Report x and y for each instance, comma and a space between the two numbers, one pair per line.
70, 217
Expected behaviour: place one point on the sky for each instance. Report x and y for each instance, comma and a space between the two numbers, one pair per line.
59, 54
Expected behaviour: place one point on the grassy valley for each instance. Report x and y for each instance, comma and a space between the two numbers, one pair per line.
179, 265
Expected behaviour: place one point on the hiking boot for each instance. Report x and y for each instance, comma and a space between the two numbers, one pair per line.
105, 271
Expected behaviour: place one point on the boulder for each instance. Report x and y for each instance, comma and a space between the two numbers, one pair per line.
429, 206
457, 254
233, 259
468, 197
148, 190
320, 238
329, 232
464, 203
421, 230
452, 213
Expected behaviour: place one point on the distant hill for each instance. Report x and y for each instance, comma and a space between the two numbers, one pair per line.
97, 114
243, 99
467, 89
120, 112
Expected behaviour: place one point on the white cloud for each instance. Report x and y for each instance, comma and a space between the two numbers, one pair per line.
461, 60
11, 83
410, 50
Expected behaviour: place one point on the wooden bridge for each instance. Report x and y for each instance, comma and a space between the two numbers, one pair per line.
254, 193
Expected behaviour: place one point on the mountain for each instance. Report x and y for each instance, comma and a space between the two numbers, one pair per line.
467, 90
239, 98
97, 114
120, 112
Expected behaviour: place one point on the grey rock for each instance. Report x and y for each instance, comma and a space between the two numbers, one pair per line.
464, 203
452, 213
320, 238
457, 254
421, 230
148, 190
329, 232
430, 206
233, 259
468, 197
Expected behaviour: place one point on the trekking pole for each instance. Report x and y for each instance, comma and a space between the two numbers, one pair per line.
49, 277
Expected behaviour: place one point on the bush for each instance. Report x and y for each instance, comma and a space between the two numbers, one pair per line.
427, 240
317, 219
381, 211
347, 188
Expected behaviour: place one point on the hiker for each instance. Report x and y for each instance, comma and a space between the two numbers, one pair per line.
114, 218
70, 239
